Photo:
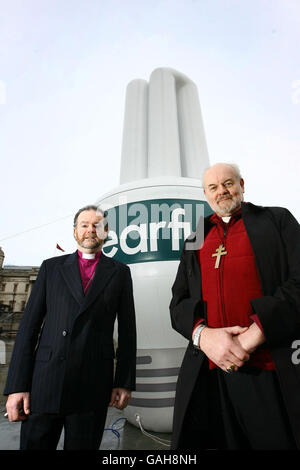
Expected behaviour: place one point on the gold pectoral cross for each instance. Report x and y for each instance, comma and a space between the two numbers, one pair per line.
219, 252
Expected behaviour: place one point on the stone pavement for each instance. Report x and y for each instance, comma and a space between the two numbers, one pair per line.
125, 437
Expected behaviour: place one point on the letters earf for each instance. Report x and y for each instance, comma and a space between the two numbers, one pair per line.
218, 254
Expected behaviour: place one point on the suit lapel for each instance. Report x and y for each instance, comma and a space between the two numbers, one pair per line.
258, 224
71, 274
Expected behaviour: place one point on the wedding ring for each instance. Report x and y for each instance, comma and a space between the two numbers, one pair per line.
231, 368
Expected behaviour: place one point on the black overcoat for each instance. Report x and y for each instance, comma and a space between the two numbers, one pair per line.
64, 351
275, 238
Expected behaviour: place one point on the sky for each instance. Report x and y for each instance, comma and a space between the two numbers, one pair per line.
64, 69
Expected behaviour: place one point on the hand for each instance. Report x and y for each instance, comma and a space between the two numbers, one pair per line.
120, 398
18, 406
251, 338
219, 345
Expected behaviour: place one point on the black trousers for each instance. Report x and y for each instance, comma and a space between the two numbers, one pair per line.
240, 410
81, 431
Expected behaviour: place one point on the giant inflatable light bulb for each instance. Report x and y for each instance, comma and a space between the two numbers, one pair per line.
157, 206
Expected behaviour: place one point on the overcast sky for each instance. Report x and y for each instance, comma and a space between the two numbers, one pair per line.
64, 69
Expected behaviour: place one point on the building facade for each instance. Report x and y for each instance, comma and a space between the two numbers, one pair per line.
15, 287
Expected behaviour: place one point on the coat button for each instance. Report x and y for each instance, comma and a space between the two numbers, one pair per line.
64, 333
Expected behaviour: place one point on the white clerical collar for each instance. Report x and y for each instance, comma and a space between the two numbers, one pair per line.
88, 255
226, 219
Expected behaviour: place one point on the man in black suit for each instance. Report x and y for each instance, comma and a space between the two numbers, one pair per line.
62, 374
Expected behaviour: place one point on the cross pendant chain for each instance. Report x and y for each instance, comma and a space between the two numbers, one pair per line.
219, 252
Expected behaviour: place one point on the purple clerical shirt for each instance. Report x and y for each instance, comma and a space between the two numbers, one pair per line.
87, 269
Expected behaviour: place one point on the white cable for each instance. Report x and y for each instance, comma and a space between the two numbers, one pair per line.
35, 228
159, 440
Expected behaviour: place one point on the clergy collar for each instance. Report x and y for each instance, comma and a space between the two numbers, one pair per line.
216, 218
88, 255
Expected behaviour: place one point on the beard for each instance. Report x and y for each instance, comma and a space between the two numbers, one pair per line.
91, 243
231, 205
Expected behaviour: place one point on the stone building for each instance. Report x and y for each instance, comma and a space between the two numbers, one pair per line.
15, 287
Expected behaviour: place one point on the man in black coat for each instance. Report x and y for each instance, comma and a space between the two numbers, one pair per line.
62, 373
236, 298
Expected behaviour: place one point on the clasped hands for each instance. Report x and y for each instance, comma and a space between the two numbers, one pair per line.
230, 345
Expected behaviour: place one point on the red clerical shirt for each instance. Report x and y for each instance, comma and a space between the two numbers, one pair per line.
87, 269
228, 289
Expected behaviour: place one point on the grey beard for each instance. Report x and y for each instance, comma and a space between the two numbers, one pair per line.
229, 210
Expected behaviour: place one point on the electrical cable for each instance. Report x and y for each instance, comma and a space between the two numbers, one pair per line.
35, 228
115, 430
164, 442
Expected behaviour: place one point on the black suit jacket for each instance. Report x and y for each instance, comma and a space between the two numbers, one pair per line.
64, 352
275, 238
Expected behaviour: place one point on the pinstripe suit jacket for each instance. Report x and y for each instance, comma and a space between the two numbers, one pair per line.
64, 352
